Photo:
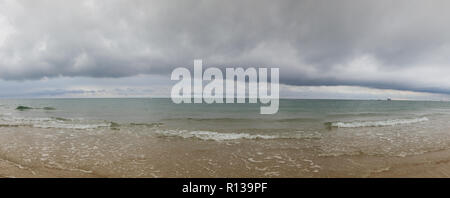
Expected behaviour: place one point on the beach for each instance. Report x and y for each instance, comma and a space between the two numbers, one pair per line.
155, 138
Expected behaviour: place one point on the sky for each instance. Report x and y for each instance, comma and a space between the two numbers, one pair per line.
347, 49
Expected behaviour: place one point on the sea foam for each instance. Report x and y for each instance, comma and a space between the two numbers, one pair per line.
224, 136
381, 123
52, 122
210, 135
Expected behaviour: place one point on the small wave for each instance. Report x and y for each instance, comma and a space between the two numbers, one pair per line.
68, 123
71, 126
216, 136
210, 135
52, 122
155, 124
382, 123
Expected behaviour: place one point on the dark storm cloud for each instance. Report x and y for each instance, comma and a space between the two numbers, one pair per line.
383, 44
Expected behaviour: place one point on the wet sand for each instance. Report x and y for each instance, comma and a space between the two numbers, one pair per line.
36, 152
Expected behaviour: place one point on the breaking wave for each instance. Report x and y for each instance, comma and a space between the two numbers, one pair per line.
216, 136
72, 126
52, 122
382, 123
68, 123
210, 135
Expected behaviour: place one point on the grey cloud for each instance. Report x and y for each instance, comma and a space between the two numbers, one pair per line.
313, 42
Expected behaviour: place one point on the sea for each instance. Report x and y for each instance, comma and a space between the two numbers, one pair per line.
153, 137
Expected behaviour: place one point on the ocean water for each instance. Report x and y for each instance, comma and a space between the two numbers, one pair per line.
155, 138
294, 116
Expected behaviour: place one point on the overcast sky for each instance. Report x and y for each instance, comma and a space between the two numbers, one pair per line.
324, 49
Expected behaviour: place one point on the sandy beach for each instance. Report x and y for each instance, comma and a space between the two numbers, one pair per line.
31, 152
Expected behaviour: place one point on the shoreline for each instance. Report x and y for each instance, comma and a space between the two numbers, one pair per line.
29, 153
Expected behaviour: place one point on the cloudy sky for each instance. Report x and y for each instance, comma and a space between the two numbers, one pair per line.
325, 49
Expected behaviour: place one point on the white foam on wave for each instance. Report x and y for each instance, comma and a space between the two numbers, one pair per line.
44, 122
393, 122
70, 126
210, 135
